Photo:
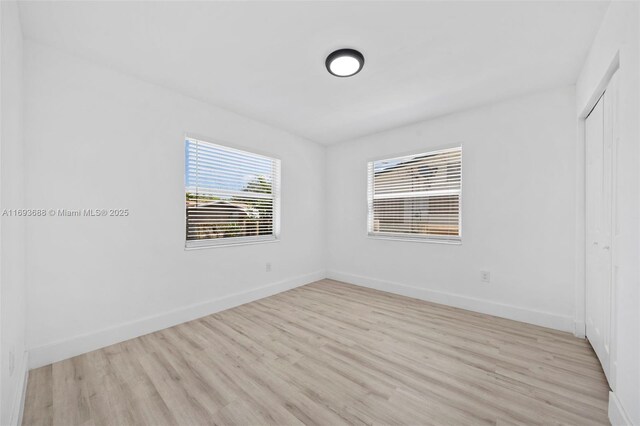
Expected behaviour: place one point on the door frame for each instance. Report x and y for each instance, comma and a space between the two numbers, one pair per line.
581, 225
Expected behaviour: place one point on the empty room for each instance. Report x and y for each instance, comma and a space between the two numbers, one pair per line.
319, 212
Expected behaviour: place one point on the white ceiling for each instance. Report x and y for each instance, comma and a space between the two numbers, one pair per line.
265, 60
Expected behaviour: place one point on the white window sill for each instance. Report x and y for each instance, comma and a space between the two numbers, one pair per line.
228, 242
417, 239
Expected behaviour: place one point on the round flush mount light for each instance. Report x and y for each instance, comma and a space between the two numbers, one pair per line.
344, 62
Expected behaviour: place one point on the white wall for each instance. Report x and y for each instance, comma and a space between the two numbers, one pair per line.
96, 138
518, 212
12, 229
619, 35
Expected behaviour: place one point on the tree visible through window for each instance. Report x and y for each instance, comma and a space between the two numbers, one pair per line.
230, 196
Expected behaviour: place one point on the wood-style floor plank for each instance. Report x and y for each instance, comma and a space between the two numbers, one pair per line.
329, 353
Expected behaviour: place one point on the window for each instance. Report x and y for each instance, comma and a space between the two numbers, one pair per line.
416, 196
231, 196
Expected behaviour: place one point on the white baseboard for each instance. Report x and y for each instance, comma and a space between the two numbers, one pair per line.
21, 392
64, 349
617, 414
544, 319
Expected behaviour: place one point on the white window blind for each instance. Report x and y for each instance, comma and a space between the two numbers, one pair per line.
416, 196
231, 196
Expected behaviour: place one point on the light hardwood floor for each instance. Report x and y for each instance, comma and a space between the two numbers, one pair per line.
329, 353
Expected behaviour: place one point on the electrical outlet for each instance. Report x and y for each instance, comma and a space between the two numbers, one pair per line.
12, 362
268, 267
485, 276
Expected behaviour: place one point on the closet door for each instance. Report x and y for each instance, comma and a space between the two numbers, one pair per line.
599, 189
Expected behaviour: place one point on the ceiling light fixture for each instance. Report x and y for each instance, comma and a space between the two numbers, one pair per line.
344, 62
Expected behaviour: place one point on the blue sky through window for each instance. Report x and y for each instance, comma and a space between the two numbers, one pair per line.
381, 165
221, 168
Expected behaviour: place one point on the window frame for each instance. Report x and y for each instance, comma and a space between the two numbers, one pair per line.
277, 198
419, 238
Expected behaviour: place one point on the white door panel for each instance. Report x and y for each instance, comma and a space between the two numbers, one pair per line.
600, 140
594, 187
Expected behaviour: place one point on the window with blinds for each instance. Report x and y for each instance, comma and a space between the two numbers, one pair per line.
416, 196
231, 196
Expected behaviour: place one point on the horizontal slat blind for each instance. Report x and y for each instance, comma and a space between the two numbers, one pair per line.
417, 195
230, 195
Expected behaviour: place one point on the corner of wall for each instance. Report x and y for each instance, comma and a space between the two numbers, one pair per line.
617, 414
325, 213
21, 392
12, 285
